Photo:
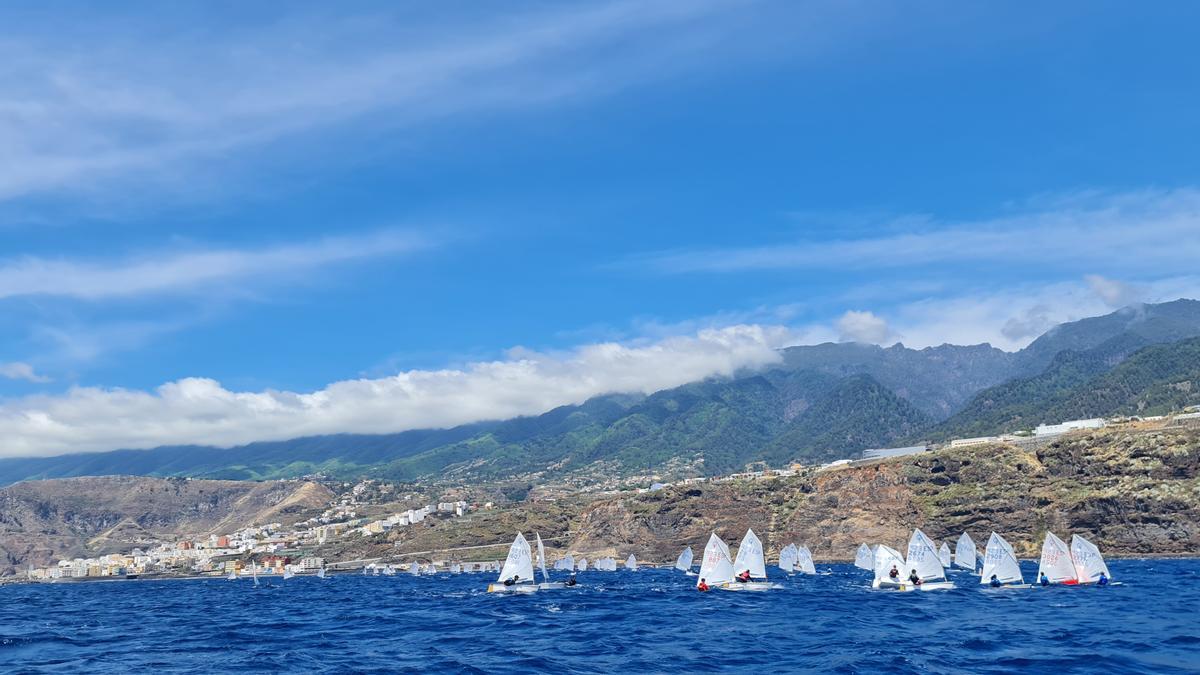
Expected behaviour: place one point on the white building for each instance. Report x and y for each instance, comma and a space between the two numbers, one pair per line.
971, 442
1064, 427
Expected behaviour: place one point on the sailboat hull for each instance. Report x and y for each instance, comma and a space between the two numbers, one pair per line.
551, 586
514, 589
751, 586
905, 586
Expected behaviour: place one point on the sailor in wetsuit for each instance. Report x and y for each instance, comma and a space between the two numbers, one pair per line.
1103, 580
995, 583
894, 574
571, 580
744, 577
515, 578
1044, 580
914, 578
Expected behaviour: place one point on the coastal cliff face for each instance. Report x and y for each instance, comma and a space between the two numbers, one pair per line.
1130, 493
44, 521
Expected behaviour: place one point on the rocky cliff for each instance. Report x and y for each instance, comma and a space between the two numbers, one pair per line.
1130, 493
44, 521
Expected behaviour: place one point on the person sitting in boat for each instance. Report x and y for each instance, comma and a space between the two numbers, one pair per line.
702, 586
744, 577
894, 574
571, 580
515, 578
1044, 580
1103, 580
995, 583
914, 578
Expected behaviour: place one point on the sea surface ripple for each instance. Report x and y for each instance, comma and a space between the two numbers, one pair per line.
648, 621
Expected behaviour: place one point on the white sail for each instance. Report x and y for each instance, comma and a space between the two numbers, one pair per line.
804, 561
542, 558
884, 560
519, 562
999, 560
787, 558
1056, 561
750, 557
287, 573
321, 573
684, 562
567, 564
964, 552
944, 555
922, 557
582, 565
1089, 564
716, 567
415, 568
864, 559
631, 563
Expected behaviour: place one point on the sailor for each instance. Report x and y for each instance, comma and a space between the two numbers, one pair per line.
515, 578
914, 578
894, 575
702, 586
1103, 580
1044, 580
995, 583
744, 576
571, 580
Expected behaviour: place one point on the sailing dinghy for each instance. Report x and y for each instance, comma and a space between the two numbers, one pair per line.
518, 570
749, 558
546, 583
944, 555
716, 568
964, 552
864, 559
883, 562
804, 561
631, 563
1056, 562
787, 558
923, 557
582, 565
999, 560
684, 562
1089, 564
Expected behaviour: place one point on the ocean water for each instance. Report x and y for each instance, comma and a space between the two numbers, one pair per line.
627, 622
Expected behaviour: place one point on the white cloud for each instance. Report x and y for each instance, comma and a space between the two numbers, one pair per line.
198, 410
856, 326
174, 272
1114, 293
1148, 232
142, 97
18, 370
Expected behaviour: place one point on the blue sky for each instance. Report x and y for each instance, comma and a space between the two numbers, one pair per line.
250, 210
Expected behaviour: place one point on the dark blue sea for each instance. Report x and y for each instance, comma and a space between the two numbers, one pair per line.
625, 622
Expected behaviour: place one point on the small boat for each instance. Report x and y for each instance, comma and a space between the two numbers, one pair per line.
864, 558
517, 574
716, 568
254, 574
804, 561
287, 573
944, 555
1056, 563
631, 563
999, 561
546, 583
923, 557
684, 562
883, 562
1089, 564
321, 573
582, 565
964, 552
749, 558
787, 558
232, 576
